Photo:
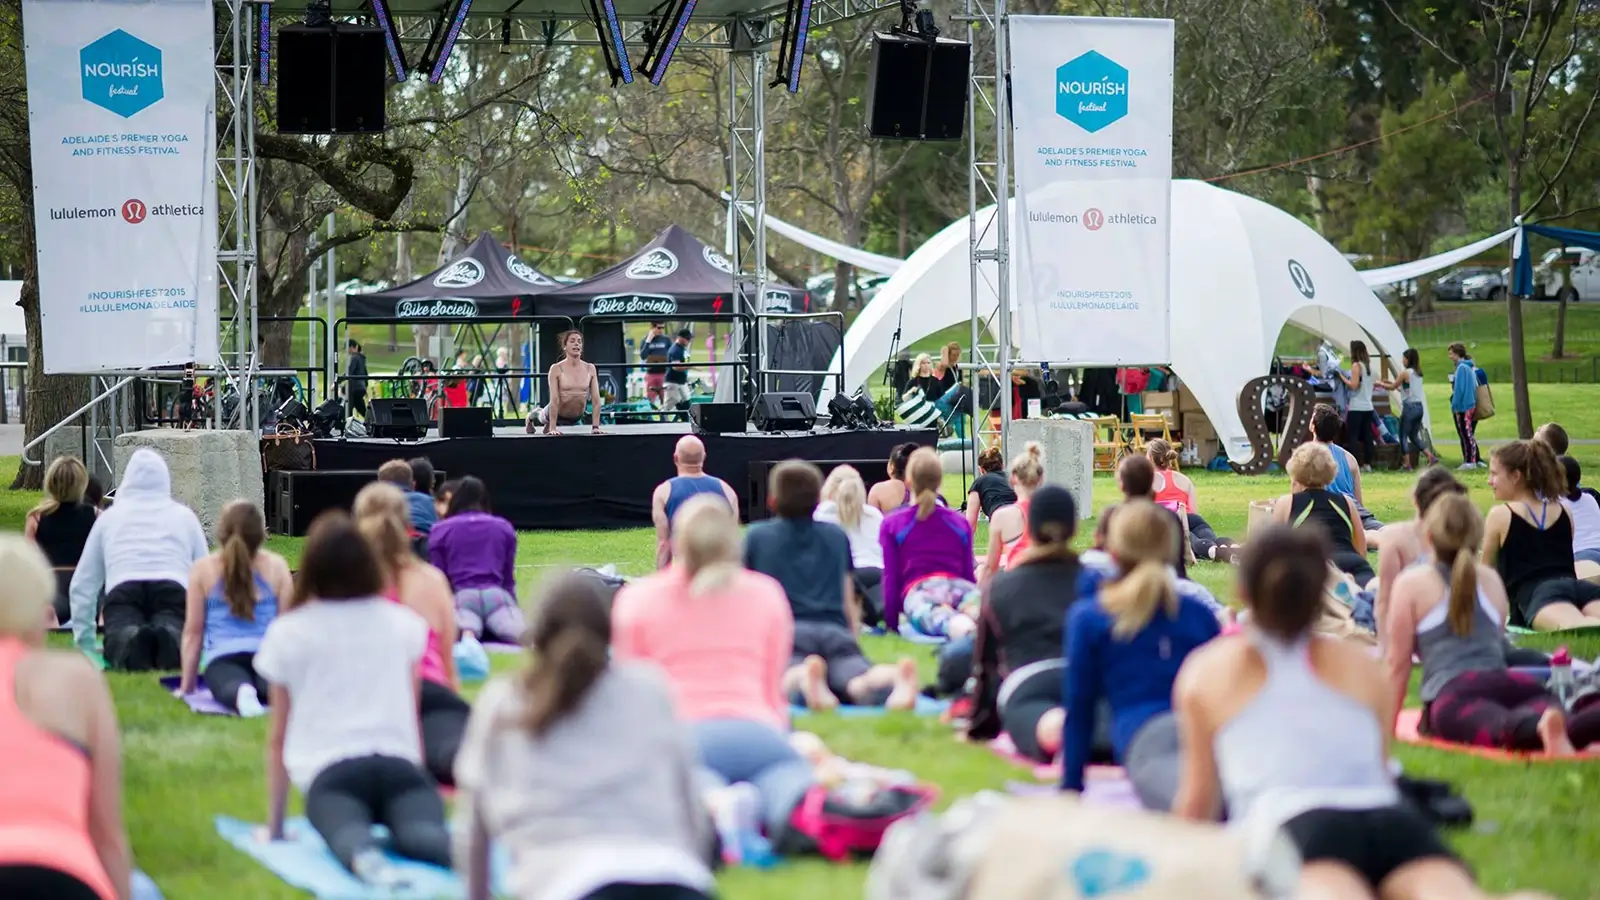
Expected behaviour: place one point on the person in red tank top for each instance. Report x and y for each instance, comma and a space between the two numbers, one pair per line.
1176, 492
1008, 528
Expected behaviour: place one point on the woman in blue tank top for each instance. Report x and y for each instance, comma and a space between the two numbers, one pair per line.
233, 596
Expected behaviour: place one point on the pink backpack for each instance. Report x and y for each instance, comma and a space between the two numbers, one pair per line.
841, 829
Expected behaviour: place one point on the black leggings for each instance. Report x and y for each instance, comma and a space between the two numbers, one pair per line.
347, 798
443, 716
1358, 425
647, 892
39, 883
1203, 540
144, 625
1502, 709
869, 588
225, 675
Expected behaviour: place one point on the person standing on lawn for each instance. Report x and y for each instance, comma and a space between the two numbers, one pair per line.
1464, 404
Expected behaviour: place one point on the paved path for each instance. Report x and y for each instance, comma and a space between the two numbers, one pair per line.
10, 440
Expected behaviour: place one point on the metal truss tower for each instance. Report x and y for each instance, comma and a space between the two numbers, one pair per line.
747, 176
237, 215
989, 188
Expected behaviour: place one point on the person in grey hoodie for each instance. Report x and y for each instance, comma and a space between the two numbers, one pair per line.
139, 552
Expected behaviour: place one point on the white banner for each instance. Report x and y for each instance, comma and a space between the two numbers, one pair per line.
122, 112
1091, 102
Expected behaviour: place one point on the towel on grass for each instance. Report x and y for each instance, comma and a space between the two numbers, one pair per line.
926, 706
1406, 729
201, 701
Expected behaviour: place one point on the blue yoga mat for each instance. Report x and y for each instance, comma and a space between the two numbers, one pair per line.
926, 706
303, 861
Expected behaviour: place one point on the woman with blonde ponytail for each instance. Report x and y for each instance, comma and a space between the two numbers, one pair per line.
1125, 644
234, 594
927, 559
724, 636
381, 512
1449, 613
1008, 527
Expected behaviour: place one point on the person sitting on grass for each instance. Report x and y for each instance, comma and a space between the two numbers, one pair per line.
233, 597
380, 514
1450, 613
95, 495
61, 829
891, 494
991, 491
60, 525
689, 459
927, 559
1585, 512
1553, 434
811, 561
1176, 492
442, 495
1527, 538
1125, 645
1325, 426
578, 766
1293, 730
139, 552
723, 635
1017, 651
1407, 544
1311, 502
1136, 477
844, 503
477, 551
342, 662
1008, 527
419, 497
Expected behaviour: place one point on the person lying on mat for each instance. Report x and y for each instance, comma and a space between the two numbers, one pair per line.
342, 662
1326, 424
477, 551
1176, 492
1125, 644
689, 459
573, 384
927, 559
891, 494
578, 766
1450, 613
61, 830
723, 635
991, 491
1312, 504
60, 525
844, 503
811, 561
233, 597
1585, 512
380, 513
1292, 730
1008, 525
1527, 538
139, 552
1017, 658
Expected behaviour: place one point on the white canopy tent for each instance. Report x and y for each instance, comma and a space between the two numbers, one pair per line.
1241, 270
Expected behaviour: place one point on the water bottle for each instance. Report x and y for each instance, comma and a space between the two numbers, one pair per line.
1561, 675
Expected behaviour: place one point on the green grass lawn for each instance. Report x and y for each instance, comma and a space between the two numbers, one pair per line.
1535, 823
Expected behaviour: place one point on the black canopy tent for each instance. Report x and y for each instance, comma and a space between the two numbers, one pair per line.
484, 281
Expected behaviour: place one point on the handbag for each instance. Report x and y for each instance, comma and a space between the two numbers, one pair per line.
1485, 404
290, 450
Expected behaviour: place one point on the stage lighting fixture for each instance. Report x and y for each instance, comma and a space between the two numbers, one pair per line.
263, 43
456, 22
658, 54
612, 47
397, 60
866, 413
841, 412
792, 47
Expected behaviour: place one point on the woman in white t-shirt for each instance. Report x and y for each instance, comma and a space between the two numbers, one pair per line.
342, 662
1408, 386
1585, 512
844, 503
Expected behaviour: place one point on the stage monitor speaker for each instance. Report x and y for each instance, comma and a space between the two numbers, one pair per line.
403, 419
784, 411
466, 421
297, 497
716, 418
917, 89
332, 80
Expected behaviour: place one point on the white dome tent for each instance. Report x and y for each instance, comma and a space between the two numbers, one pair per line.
1241, 270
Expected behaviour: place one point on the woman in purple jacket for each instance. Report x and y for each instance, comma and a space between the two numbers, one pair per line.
927, 558
477, 551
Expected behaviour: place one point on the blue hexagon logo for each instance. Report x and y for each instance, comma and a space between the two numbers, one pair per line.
121, 73
1091, 91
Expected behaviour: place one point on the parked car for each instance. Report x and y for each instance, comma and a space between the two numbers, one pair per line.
821, 288
1572, 274
1470, 283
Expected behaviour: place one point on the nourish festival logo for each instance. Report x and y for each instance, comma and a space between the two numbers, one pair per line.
1091, 91
121, 73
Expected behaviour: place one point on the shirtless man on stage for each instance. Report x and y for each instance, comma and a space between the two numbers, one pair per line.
573, 383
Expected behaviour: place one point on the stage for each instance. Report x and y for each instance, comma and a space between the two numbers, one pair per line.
578, 479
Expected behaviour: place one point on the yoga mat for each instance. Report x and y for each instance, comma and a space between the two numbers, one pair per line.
1006, 749
501, 648
1405, 730
303, 861
926, 706
917, 637
200, 701
1105, 786
1583, 632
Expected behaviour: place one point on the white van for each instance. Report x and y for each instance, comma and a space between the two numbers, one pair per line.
1574, 272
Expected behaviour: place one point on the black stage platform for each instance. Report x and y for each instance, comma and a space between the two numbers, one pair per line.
582, 480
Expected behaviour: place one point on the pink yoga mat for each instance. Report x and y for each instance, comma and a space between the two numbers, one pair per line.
1406, 730
201, 701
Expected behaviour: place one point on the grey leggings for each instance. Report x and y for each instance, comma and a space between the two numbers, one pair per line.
1152, 762
490, 613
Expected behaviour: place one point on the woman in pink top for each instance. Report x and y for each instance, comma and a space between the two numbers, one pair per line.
381, 516
61, 833
723, 635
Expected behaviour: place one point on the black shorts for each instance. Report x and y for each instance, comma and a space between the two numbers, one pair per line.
1032, 696
40, 883
1374, 842
837, 647
1530, 599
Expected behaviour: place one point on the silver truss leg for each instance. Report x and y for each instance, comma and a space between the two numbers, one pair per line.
236, 220
747, 179
989, 182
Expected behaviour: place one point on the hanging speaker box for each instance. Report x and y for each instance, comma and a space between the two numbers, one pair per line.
917, 89
332, 80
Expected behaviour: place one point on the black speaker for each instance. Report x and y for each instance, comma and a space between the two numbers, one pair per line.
716, 418
917, 89
466, 421
332, 80
784, 411
295, 498
402, 419
758, 475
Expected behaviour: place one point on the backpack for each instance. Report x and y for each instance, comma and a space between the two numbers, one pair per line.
838, 825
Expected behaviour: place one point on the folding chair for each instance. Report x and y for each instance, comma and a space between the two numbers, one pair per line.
1153, 424
1109, 444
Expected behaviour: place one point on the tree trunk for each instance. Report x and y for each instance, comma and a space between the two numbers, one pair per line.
842, 276
50, 398
1519, 360
1560, 348
905, 227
